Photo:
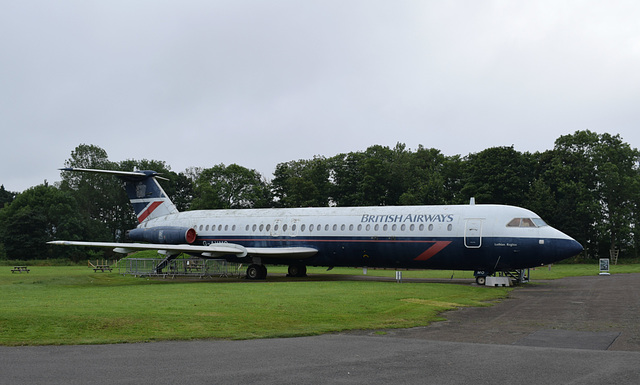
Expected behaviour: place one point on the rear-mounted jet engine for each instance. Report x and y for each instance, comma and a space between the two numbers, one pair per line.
163, 234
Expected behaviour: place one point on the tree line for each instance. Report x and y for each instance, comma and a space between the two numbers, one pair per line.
587, 186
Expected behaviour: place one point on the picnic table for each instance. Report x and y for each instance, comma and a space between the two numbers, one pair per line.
19, 269
102, 268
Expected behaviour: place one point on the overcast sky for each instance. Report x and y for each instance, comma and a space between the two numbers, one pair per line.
257, 83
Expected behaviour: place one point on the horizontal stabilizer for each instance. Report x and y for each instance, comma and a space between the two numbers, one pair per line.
135, 175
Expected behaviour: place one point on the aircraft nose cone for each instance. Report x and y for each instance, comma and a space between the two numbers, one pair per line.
573, 248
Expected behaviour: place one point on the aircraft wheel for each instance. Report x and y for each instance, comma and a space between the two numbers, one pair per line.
481, 280
263, 272
297, 271
256, 271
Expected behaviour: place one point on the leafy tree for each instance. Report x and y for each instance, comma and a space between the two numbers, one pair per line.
183, 191
38, 215
594, 179
377, 176
99, 197
617, 174
230, 187
570, 177
345, 173
376, 179
6, 197
302, 183
497, 175
427, 178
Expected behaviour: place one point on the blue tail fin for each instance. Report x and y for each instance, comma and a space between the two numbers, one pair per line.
145, 193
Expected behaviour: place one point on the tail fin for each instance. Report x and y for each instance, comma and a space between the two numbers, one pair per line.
145, 193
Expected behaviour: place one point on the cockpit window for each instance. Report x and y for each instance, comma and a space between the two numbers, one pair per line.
515, 222
526, 222
539, 222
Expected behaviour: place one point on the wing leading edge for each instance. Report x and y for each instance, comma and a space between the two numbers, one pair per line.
212, 251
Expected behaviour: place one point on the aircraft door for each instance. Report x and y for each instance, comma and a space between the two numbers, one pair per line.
473, 233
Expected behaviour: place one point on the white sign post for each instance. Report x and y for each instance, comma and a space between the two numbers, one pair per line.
604, 266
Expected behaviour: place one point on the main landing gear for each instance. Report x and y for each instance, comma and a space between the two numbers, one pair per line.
297, 270
255, 271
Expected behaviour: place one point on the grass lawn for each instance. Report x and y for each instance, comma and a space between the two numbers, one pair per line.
74, 305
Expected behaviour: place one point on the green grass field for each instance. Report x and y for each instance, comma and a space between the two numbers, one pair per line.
74, 305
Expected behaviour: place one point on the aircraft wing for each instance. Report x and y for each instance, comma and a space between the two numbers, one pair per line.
282, 252
212, 251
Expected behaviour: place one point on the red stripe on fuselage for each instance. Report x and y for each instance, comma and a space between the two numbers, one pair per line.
433, 250
143, 215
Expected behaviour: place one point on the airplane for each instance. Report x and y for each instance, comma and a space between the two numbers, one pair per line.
486, 239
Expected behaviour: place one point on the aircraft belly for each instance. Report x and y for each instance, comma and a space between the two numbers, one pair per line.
495, 253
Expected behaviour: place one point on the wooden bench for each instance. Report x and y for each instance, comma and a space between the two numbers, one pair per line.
102, 268
19, 269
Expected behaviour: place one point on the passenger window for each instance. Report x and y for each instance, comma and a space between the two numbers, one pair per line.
253, 228
226, 227
376, 227
326, 227
335, 227
421, 228
343, 227
359, 227
261, 227
284, 228
268, 227
351, 227
403, 227
394, 227
431, 227
219, 227
449, 227
385, 227
302, 228
310, 228
233, 228
368, 228
293, 227
412, 227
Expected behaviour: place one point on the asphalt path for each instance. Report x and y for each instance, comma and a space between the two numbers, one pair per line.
600, 312
574, 330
